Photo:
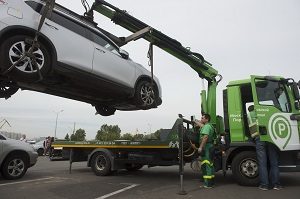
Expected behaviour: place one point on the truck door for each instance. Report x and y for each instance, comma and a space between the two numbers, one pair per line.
273, 108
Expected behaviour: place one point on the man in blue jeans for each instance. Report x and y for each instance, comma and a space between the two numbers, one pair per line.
268, 178
264, 151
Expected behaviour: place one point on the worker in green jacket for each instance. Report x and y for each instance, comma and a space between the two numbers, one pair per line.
206, 151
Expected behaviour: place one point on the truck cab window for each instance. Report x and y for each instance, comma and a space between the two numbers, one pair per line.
272, 93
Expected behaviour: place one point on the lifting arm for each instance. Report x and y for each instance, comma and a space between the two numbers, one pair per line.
172, 46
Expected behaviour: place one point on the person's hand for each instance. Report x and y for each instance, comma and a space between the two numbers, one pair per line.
200, 150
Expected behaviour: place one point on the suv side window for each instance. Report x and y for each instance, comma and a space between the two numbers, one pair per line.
2, 138
35, 6
99, 40
68, 23
105, 43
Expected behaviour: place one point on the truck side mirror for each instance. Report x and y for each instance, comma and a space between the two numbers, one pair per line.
295, 90
299, 84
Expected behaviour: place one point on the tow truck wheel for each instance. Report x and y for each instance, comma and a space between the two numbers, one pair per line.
13, 48
245, 168
133, 167
101, 164
14, 167
145, 95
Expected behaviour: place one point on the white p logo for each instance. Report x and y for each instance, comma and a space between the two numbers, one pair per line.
281, 129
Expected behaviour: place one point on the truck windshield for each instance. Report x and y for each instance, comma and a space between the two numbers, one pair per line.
272, 93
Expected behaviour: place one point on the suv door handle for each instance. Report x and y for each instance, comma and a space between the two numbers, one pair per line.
51, 26
100, 50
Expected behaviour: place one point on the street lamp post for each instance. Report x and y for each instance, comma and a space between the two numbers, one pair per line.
56, 122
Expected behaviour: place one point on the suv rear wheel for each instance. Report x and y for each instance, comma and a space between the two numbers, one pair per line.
105, 110
7, 89
13, 48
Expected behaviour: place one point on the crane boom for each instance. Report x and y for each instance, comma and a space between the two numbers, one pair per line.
155, 37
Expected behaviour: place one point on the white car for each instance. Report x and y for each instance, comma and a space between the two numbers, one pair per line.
15, 157
75, 58
39, 147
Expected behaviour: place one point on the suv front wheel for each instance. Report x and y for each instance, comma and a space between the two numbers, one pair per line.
146, 95
13, 48
14, 167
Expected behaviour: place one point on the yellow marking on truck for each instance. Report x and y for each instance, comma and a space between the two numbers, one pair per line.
109, 146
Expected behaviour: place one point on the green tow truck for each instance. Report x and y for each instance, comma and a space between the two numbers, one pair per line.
276, 103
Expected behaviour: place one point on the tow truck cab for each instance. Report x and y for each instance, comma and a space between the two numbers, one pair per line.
276, 106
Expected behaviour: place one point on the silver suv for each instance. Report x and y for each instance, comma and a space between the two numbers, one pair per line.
74, 59
15, 157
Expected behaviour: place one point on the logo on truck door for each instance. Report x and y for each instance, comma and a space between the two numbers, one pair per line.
280, 130
284, 132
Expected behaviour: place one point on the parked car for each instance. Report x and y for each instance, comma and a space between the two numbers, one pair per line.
39, 147
15, 157
75, 58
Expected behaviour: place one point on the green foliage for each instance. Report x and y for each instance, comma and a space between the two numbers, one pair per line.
79, 135
127, 136
138, 137
108, 133
67, 137
157, 134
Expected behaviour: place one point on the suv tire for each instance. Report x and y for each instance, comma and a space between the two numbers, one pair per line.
13, 48
14, 167
145, 95
105, 110
7, 89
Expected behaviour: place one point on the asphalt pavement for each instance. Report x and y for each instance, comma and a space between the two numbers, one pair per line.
52, 180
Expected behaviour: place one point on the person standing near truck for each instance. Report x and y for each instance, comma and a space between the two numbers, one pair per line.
264, 151
206, 151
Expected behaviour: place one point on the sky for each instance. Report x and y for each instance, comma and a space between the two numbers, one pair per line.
240, 38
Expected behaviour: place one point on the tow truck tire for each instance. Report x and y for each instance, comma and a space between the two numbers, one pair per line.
14, 167
101, 164
133, 167
245, 168
146, 95
13, 48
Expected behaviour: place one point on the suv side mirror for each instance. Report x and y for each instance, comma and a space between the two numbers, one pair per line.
299, 84
124, 54
295, 90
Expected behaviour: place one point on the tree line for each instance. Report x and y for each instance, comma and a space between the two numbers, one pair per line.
110, 133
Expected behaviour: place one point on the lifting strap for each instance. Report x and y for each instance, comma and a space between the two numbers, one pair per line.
34, 43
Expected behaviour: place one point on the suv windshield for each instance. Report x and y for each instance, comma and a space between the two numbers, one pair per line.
272, 93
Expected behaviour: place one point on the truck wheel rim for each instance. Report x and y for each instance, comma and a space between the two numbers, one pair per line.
147, 95
101, 162
16, 167
249, 168
18, 49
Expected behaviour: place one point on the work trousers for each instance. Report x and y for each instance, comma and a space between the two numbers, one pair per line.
266, 151
207, 166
